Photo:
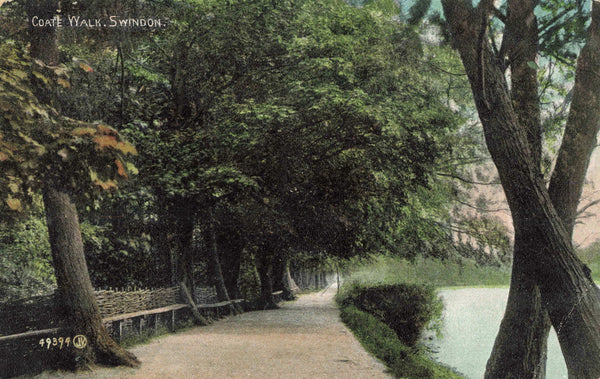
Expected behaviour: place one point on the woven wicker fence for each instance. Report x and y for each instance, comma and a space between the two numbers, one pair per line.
205, 295
40, 312
113, 303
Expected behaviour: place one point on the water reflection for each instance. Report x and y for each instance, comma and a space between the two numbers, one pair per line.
471, 320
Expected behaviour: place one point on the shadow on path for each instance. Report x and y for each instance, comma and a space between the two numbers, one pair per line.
302, 339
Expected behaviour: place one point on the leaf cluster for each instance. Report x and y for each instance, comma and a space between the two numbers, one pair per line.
39, 145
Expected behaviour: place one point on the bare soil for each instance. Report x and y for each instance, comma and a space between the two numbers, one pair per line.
302, 339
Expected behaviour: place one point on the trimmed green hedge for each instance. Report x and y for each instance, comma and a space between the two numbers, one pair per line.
381, 341
388, 319
406, 308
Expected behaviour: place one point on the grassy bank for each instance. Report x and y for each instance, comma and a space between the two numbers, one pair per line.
434, 272
377, 336
381, 341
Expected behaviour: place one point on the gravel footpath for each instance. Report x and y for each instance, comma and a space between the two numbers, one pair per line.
302, 339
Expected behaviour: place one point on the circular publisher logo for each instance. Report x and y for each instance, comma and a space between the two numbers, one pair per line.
79, 341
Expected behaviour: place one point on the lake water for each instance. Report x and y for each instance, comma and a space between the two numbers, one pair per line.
471, 320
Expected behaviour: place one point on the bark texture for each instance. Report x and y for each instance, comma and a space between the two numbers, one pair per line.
521, 344
583, 123
215, 262
78, 302
264, 266
187, 295
571, 298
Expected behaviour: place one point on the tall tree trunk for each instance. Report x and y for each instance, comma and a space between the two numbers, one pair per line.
523, 315
78, 302
520, 348
282, 279
264, 266
572, 299
278, 270
521, 343
162, 241
215, 262
583, 124
77, 298
230, 248
185, 250
565, 190
289, 286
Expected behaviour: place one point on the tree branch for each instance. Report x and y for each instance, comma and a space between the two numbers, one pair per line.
484, 210
582, 210
453, 176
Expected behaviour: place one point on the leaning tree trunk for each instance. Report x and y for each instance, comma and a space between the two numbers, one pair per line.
77, 299
215, 262
571, 297
76, 296
282, 278
520, 348
289, 286
524, 314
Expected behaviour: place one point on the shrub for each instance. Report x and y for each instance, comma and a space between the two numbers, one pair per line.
406, 308
381, 341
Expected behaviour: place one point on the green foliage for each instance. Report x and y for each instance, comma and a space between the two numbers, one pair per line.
590, 255
381, 341
304, 260
39, 145
406, 308
309, 125
25, 262
22, 116
310, 118
249, 282
117, 240
563, 26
